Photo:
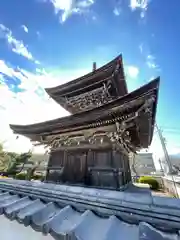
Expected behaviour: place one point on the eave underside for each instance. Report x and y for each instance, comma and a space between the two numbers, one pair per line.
92, 96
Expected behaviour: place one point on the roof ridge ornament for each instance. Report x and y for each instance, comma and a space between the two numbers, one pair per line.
94, 66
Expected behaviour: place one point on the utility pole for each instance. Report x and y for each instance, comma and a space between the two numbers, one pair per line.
161, 168
168, 162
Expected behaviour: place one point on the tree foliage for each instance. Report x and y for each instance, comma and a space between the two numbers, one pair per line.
31, 170
13, 163
153, 183
10, 160
22, 159
4, 159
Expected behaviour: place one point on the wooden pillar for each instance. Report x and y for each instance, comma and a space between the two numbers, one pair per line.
129, 170
117, 173
63, 177
47, 177
89, 160
121, 161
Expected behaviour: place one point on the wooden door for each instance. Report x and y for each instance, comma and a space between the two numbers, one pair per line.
76, 165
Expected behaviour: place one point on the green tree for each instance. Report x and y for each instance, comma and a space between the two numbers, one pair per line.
9, 161
31, 170
4, 159
20, 159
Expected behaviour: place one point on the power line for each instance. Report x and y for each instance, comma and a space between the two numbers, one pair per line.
168, 131
170, 128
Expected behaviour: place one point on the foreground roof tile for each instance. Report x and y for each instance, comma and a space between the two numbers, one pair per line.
69, 223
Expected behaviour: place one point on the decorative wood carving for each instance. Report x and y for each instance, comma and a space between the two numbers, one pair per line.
120, 136
89, 100
122, 140
147, 106
60, 141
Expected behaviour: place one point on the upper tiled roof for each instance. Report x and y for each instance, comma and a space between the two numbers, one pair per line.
70, 221
90, 87
86, 79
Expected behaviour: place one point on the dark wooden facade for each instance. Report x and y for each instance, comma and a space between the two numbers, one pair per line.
93, 167
92, 146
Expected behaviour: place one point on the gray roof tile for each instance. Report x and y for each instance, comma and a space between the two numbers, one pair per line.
69, 223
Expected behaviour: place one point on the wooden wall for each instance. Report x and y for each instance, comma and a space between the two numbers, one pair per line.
103, 168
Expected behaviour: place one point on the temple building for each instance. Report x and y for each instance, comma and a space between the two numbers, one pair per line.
91, 147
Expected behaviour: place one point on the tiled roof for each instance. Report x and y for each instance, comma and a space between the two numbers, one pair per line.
74, 84
78, 223
123, 108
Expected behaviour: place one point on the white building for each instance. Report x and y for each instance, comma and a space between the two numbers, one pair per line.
142, 164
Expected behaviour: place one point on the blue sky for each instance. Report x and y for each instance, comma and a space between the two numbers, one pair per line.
45, 43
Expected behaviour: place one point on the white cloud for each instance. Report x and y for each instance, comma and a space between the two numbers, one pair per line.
141, 48
142, 5
132, 71
117, 7
66, 8
30, 106
25, 28
85, 3
116, 11
17, 46
151, 62
151, 78
5, 69
3, 31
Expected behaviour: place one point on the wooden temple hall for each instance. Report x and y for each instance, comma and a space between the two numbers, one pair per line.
91, 147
